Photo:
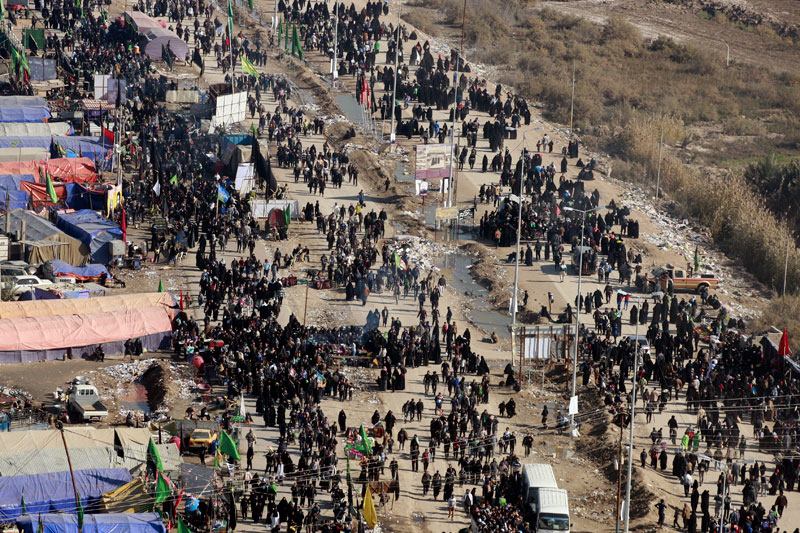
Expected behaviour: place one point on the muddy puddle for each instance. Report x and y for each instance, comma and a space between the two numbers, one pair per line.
456, 267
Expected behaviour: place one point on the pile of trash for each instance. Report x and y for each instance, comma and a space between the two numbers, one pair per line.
420, 252
681, 236
118, 379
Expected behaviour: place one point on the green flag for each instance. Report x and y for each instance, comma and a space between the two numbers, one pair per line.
296, 48
248, 67
287, 214
152, 454
160, 286
51, 191
182, 527
250, 3
280, 31
22, 504
162, 489
174, 179
364, 440
286, 38
80, 513
230, 19
228, 447
696, 260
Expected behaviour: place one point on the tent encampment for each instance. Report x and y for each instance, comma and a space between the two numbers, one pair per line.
63, 169
93, 523
24, 114
49, 493
93, 230
10, 191
23, 154
158, 38
46, 240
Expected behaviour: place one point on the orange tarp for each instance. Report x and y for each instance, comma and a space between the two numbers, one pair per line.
65, 170
79, 306
63, 331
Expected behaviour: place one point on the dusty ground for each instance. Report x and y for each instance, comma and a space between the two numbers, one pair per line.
591, 491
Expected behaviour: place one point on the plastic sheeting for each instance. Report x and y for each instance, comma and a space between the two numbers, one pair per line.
140, 21
109, 304
39, 196
65, 170
48, 493
23, 114
80, 197
160, 37
93, 230
23, 154
37, 228
262, 208
94, 523
130, 498
63, 331
80, 272
94, 148
22, 101
28, 129
9, 189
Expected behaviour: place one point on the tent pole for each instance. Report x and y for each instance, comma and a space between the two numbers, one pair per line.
71, 473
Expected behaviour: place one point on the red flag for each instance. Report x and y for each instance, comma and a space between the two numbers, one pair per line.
367, 89
363, 89
181, 299
108, 134
123, 224
783, 348
178, 502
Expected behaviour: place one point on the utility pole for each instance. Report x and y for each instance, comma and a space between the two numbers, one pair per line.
619, 470
572, 101
335, 69
60, 427
396, 75
785, 266
660, 147
633, 412
519, 231
453, 152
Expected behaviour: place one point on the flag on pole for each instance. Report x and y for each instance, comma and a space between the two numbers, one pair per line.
280, 31
162, 489
40, 527
296, 47
228, 447
123, 223
80, 513
365, 440
222, 195
152, 451
174, 179
160, 286
51, 191
248, 67
157, 188
181, 304
242, 409
22, 504
230, 19
368, 510
696, 260
783, 347
286, 38
250, 3
182, 527
108, 134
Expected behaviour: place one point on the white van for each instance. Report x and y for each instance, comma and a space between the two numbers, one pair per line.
551, 509
535, 476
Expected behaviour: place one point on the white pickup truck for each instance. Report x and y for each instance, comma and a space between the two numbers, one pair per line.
84, 402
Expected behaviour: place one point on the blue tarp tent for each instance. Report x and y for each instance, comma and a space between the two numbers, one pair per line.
93, 230
9, 186
95, 148
80, 197
93, 523
24, 114
48, 493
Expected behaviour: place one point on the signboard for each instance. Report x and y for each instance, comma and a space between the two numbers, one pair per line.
422, 187
545, 344
446, 213
106, 87
537, 348
231, 108
433, 161
466, 214
245, 178
42, 69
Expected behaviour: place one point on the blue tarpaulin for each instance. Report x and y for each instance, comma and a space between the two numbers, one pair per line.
93, 230
9, 187
49, 493
80, 197
93, 523
239, 140
90, 270
24, 114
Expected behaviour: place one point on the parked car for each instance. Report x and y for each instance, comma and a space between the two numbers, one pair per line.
201, 438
